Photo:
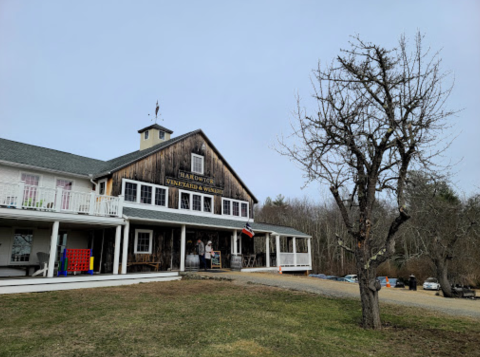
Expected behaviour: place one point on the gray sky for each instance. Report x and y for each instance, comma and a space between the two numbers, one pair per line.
81, 76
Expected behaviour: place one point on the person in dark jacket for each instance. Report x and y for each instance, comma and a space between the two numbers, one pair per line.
412, 283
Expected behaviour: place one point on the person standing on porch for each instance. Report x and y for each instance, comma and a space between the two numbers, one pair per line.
208, 254
201, 254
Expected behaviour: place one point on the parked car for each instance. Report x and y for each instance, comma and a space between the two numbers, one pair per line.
332, 277
400, 283
431, 284
319, 276
382, 280
351, 278
463, 292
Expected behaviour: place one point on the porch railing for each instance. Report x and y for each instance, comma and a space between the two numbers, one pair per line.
20, 195
288, 259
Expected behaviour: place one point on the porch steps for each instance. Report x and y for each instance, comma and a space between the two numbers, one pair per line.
32, 285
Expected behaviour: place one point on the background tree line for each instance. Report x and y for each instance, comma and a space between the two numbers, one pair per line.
442, 239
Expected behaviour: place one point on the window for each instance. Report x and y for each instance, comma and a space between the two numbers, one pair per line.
143, 241
161, 135
145, 135
244, 210
146, 194
65, 185
226, 207
197, 203
22, 245
30, 189
207, 204
102, 187
185, 200
235, 210
160, 196
130, 192
197, 164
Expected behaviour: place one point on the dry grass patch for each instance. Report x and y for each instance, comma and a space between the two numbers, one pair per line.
205, 318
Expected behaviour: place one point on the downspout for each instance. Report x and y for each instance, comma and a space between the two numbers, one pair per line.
93, 182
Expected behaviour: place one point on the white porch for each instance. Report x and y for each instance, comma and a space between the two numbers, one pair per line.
32, 285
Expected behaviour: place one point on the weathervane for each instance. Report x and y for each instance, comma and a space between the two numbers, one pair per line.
157, 114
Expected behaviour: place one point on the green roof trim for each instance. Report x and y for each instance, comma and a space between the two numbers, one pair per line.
202, 221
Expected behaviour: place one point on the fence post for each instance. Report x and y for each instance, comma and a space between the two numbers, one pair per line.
91, 209
58, 199
20, 195
121, 199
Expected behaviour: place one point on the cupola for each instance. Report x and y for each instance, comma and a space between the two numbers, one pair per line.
153, 135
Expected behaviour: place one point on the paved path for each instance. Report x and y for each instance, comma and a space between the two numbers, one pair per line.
420, 298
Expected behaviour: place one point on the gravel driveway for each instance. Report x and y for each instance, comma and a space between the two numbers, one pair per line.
420, 298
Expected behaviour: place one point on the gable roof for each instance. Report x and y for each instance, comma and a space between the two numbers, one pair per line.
50, 159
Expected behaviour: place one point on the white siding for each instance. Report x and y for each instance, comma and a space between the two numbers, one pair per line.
12, 175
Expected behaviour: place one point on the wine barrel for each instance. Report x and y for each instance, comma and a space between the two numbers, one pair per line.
192, 263
236, 262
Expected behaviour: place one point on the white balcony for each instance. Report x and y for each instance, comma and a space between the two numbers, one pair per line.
21, 196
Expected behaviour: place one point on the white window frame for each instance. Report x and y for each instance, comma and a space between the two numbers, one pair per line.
202, 203
98, 187
150, 239
160, 132
139, 193
40, 177
203, 163
239, 208
14, 229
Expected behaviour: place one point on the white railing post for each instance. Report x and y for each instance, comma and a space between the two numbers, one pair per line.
235, 238
126, 232
294, 251
58, 199
309, 248
121, 199
277, 243
91, 209
53, 249
116, 254
267, 250
183, 247
20, 194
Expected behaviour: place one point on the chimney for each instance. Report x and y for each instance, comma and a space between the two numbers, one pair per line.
153, 135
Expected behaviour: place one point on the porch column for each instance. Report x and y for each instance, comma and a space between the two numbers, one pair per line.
309, 249
126, 232
116, 254
294, 251
267, 250
277, 243
183, 236
53, 249
235, 238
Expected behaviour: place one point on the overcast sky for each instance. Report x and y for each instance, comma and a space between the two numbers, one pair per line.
82, 76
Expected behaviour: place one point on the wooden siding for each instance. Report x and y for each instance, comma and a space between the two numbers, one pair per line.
169, 161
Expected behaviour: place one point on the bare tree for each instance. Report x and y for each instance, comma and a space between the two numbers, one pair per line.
379, 113
441, 221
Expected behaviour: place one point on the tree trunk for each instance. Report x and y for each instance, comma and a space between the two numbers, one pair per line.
442, 269
369, 287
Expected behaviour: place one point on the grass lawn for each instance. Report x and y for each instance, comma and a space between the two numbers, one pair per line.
218, 318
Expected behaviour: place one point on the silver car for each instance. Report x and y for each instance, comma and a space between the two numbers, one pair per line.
431, 284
